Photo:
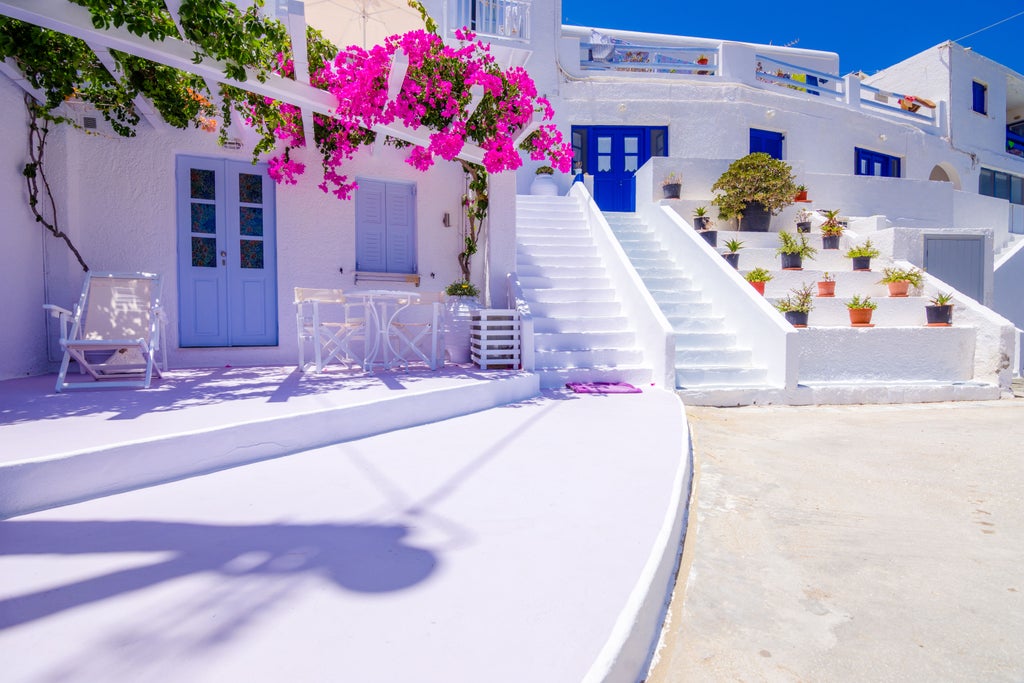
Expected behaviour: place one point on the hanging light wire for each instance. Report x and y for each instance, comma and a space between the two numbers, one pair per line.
1001, 21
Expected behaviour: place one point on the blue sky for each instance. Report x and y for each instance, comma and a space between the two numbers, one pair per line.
868, 35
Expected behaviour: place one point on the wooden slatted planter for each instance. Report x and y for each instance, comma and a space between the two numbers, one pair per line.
494, 339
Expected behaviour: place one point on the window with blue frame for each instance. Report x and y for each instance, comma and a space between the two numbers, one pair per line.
1001, 185
767, 141
980, 98
876, 164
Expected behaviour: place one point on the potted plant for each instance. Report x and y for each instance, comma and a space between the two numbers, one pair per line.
801, 193
827, 285
462, 301
758, 277
862, 255
900, 280
544, 182
939, 311
860, 310
702, 60
831, 230
671, 186
793, 250
702, 223
803, 221
797, 305
733, 255
753, 189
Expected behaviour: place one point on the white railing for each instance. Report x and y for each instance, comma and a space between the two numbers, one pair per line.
500, 19
799, 78
653, 331
517, 302
618, 55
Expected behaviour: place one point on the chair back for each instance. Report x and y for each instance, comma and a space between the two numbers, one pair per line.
117, 306
310, 294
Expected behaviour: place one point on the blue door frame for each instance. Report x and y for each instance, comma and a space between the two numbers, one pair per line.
612, 155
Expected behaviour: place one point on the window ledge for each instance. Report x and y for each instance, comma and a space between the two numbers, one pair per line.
407, 278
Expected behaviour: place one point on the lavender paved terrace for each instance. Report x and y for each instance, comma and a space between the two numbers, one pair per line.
526, 539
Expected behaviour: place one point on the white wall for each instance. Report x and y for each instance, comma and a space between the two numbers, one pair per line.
122, 217
23, 328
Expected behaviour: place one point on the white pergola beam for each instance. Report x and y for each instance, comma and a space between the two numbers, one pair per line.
9, 68
294, 13
73, 20
145, 107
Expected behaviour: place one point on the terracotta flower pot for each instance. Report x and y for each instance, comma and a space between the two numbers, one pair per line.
759, 286
860, 316
899, 288
826, 288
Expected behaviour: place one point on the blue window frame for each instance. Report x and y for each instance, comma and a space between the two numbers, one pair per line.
767, 141
877, 164
980, 98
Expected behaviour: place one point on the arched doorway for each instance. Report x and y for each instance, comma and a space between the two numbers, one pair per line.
945, 173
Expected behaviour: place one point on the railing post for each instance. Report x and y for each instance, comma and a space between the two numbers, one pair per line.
852, 87
737, 63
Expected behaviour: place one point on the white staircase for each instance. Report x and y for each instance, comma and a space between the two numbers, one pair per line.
707, 354
580, 332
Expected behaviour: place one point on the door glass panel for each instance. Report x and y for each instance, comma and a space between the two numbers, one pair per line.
604, 145
202, 183
630, 163
250, 221
604, 163
1002, 186
204, 252
251, 253
250, 188
204, 218
632, 145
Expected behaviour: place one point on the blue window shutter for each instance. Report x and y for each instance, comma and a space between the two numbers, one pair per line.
979, 98
400, 212
766, 141
371, 227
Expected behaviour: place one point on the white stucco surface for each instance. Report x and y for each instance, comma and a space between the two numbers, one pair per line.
514, 544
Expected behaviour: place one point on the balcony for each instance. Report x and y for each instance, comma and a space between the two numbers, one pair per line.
507, 20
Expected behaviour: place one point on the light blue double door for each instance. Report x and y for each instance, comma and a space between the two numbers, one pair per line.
227, 257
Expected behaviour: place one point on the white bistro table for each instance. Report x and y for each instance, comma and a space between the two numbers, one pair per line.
382, 307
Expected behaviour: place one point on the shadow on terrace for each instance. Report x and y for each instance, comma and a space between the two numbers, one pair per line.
34, 398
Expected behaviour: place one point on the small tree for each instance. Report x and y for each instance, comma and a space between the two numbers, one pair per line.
755, 178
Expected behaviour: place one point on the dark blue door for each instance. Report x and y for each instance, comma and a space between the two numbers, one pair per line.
766, 141
615, 155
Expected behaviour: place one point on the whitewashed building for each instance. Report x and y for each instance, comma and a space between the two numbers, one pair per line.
929, 186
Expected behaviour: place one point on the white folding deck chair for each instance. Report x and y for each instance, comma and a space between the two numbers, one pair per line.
418, 333
115, 332
325, 318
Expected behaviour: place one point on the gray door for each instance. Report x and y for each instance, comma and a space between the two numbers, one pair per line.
957, 260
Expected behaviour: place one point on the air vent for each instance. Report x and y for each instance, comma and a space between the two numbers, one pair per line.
233, 143
89, 122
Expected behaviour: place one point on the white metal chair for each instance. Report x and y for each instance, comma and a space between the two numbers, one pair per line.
418, 333
325, 318
115, 331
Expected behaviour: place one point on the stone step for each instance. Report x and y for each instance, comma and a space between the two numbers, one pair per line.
567, 341
636, 375
543, 325
704, 340
697, 324
575, 309
588, 358
570, 294
560, 275
559, 281
550, 239
690, 358
558, 261
724, 375
528, 250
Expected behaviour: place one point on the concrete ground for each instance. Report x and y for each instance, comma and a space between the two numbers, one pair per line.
852, 543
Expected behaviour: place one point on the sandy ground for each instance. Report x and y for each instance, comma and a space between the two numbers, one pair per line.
852, 543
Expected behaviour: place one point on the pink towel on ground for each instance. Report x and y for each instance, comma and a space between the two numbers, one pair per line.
602, 388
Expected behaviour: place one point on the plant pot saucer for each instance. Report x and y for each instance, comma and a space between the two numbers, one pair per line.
826, 296
792, 268
862, 270
862, 324
800, 327
938, 324
898, 296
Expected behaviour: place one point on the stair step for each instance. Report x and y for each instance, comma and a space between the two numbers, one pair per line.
720, 376
527, 250
704, 340
638, 376
543, 325
575, 309
570, 294
567, 341
689, 358
574, 358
